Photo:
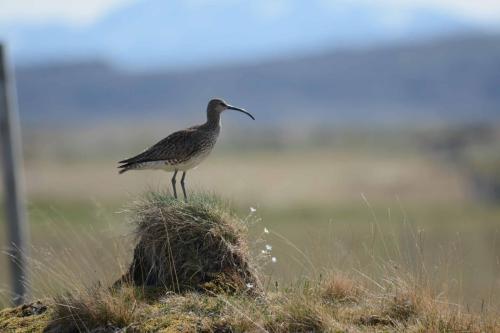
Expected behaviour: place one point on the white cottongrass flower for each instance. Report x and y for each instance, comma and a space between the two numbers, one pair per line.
263, 251
249, 285
268, 247
266, 231
273, 259
252, 210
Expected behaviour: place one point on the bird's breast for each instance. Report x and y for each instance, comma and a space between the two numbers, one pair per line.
193, 162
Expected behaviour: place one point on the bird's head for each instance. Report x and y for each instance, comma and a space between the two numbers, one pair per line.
218, 105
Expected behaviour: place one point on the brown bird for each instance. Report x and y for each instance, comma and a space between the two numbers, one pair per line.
183, 150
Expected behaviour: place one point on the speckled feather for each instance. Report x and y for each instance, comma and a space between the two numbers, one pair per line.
176, 149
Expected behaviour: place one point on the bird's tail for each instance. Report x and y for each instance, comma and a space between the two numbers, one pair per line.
125, 167
134, 165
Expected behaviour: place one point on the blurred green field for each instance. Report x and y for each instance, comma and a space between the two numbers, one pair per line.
354, 206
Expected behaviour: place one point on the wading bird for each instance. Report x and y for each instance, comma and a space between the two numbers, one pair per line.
183, 150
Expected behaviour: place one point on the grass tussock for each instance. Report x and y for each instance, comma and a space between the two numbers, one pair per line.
199, 245
95, 308
338, 288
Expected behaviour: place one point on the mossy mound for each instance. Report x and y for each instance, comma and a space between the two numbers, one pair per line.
33, 317
195, 246
335, 304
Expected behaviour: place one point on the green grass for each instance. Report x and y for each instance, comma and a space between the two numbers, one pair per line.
452, 242
69, 240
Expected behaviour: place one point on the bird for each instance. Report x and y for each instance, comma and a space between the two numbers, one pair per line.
185, 149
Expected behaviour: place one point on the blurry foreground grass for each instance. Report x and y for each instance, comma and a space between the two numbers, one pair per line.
325, 301
71, 241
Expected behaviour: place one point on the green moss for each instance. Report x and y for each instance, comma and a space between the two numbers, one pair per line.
23, 319
194, 312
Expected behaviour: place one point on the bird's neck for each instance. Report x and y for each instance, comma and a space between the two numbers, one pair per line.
213, 119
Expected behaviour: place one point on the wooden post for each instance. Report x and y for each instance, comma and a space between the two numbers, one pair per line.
15, 214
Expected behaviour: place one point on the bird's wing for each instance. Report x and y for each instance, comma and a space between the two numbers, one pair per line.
177, 147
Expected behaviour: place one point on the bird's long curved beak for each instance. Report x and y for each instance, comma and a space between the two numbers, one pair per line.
230, 107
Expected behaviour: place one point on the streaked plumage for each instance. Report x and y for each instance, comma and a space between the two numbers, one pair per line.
175, 151
182, 150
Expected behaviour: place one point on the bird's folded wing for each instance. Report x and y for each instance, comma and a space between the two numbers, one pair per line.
177, 147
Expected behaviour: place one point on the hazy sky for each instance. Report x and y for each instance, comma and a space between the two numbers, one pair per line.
85, 12
180, 33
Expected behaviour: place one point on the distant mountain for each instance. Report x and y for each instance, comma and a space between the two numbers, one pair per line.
453, 79
174, 34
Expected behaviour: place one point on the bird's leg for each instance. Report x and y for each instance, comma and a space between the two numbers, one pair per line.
173, 184
182, 185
